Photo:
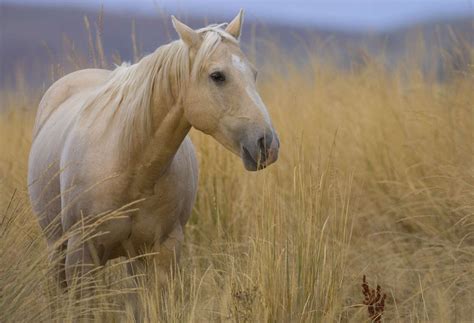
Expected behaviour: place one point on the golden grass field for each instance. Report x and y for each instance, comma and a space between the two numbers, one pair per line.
375, 178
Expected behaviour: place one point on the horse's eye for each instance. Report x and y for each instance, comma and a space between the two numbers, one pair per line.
217, 77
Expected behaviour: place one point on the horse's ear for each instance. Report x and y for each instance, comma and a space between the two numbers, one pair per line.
187, 34
235, 26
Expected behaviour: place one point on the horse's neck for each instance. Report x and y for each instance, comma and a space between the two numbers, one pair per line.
170, 129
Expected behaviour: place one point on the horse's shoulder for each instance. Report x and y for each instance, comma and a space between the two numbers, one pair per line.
64, 88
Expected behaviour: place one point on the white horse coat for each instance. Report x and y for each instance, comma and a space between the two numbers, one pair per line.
103, 139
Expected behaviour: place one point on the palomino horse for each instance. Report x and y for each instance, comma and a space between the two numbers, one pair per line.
103, 139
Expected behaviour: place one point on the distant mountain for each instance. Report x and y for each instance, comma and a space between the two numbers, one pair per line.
33, 39
341, 15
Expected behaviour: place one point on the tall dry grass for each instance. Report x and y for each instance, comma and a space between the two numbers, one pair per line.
375, 178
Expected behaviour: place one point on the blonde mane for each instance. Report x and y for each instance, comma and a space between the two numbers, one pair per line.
124, 101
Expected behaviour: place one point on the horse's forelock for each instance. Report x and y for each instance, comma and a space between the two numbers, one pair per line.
213, 36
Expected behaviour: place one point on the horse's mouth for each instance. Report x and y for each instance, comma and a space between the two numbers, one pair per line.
250, 163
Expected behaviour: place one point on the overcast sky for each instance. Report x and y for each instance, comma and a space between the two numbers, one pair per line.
339, 14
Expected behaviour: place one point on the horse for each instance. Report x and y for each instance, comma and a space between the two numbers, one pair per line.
104, 139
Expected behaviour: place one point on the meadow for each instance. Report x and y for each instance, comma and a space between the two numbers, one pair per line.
375, 178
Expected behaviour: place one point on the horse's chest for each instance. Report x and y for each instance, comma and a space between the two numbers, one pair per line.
171, 202
156, 218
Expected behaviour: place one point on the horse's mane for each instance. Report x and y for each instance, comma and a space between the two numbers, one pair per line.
125, 99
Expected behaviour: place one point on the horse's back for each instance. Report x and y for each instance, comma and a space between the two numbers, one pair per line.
63, 89
53, 121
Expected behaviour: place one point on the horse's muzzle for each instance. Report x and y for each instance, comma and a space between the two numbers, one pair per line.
263, 152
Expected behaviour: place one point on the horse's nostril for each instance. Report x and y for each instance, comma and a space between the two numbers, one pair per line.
266, 140
264, 144
261, 144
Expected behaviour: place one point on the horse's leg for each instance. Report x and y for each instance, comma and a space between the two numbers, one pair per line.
57, 269
136, 268
167, 254
56, 247
48, 208
159, 265
57, 259
79, 261
163, 260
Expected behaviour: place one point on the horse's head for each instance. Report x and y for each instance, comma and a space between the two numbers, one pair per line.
221, 99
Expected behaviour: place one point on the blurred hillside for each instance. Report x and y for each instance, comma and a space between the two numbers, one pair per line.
39, 44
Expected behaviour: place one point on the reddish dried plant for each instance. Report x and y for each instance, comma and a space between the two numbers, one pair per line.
374, 301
